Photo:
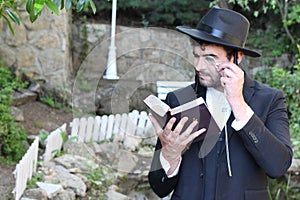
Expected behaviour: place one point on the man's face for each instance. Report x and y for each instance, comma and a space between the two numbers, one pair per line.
206, 59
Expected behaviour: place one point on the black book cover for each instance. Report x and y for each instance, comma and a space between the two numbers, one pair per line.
194, 110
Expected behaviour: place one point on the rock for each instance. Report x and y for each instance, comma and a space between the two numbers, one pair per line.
131, 143
150, 138
35, 87
61, 175
80, 149
106, 152
293, 174
51, 189
65, 195
126, 161
113, 195
146, 152
76, 163
17, 114
78, 175
36, 193
295, 166
142, 196
23, 96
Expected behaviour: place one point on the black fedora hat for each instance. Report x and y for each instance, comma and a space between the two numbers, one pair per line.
224, 27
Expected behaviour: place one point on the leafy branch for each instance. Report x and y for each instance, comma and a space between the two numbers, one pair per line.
9, 8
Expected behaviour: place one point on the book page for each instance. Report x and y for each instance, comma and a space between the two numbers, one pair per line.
155, 104
187, 106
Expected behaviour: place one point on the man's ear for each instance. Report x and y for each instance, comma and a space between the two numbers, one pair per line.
240, 55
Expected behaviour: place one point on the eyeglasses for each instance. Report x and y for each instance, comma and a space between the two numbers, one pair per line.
206, 60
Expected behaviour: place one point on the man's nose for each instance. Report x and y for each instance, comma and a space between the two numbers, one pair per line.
199, 65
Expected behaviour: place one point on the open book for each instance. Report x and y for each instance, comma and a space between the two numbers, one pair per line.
194, 110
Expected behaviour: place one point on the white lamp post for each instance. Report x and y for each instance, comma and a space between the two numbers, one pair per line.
111, 69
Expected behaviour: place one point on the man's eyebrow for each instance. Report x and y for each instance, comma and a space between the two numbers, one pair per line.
204, 55
195, 54
209, 54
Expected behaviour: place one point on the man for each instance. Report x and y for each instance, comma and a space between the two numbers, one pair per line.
254, 141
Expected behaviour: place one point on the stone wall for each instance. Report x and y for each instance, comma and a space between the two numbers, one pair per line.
135, 47
143, 56
39, 50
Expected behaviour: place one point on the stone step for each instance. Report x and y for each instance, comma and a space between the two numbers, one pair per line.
23, 96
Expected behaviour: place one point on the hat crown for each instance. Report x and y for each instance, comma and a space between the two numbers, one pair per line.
224, 27
228, 22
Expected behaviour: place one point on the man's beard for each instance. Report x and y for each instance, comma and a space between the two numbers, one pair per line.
214, 81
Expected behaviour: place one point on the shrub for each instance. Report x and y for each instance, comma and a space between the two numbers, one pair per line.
153, 12
12, 136
289, 82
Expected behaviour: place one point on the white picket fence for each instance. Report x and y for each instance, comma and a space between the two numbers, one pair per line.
106, 127
86, 129
54, 142
28, 164
25, 168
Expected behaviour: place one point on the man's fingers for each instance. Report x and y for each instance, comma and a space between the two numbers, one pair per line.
186, 137
170, 124
199, 132
179, 126
188, 134
157, 128
193, 136
189, 129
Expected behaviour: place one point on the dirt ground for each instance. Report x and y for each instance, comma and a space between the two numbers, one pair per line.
37, 116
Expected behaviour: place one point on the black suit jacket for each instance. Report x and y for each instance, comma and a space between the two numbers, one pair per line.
262, 148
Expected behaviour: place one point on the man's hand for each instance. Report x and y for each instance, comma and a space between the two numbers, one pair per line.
175, 142
232, 79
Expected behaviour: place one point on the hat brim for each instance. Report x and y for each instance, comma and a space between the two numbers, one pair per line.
201, 35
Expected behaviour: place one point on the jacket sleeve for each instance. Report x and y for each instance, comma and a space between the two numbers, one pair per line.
267, 137
158, 179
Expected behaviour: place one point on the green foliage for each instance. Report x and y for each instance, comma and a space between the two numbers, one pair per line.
281, 189
31, 183
35, 7
273, 40
85, 43
9, 12
51, 100
66, 140
9, 8
12, 136
43, 135
293, 15
102, 177
289, 83
157, 12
